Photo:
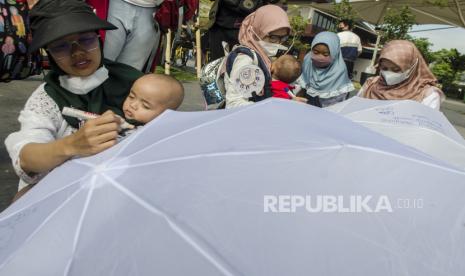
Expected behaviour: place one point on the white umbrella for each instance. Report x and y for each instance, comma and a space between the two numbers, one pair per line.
200, 194
410, 123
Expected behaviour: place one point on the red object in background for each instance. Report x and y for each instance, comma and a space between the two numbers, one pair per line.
191, 9
101, 9
167, 14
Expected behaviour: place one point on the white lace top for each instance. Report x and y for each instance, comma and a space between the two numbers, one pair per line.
41, 122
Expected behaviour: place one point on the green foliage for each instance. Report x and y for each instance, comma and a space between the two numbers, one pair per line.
178, 73
397, 23
424, 46
444, 73
457, 60
452, 57
439, 3
344, 11
298, 25
448, 65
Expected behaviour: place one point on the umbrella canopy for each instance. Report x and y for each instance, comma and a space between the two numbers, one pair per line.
222, 193
451, 13
408, 122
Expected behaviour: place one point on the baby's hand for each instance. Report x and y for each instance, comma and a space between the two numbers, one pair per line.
124, 125
300, 99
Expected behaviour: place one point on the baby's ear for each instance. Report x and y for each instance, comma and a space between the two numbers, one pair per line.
272, 68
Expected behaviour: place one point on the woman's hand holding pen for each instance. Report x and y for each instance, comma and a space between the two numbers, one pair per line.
95, 136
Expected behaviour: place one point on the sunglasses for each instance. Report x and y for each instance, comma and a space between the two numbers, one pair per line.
63, 49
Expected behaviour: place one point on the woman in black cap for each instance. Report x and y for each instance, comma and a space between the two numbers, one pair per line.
79, 78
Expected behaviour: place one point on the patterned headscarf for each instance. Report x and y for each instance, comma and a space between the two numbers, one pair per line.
260, 23
404, 54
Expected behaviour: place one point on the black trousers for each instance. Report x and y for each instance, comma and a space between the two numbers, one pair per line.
350, 68
216, 35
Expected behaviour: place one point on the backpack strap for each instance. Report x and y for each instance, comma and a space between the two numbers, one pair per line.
249, 52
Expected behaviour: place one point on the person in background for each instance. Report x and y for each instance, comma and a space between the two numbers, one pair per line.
351, 47
324, 74
263, 31
225, 20
137, 34
185, 40
404, 75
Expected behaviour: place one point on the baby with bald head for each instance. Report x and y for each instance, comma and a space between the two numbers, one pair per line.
150, 95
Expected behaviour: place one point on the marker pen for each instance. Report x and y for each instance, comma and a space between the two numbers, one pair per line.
84, 115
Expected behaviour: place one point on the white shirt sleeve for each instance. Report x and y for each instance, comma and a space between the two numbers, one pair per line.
236, 98
360, 92
434, 99
359, 47
40, 122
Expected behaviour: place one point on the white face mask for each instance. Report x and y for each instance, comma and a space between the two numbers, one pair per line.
271, 49
392, 78
83, 85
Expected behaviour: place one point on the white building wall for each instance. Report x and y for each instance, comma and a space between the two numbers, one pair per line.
360, 65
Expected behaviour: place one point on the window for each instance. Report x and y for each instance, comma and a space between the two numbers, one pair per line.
323, 21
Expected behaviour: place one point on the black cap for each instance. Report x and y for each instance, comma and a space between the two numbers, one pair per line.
54, 19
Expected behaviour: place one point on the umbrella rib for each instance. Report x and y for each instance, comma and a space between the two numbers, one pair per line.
436, 17
416, 127
44, 198
221, 265
459, 9
77, 234
49, 217
187, 130
300, 149
221, 154
452, 170
381, 15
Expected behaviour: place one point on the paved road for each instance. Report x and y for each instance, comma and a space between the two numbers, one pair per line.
14, 94
455, 112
